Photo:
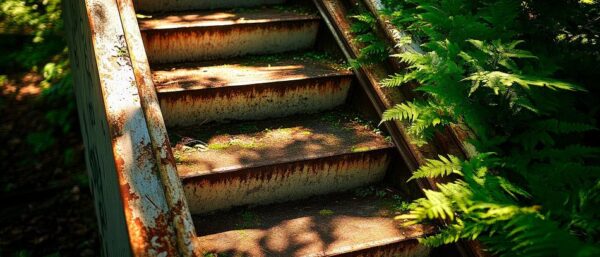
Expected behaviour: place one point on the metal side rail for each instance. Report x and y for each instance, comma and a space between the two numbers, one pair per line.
139, 201
335, 14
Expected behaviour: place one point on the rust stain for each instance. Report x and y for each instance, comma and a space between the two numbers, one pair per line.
192, 44
146, 240
118, 124
99, 13
257, 101
264, 174
161, 242
146, 152
169, 159
286, 181
278, 89
127, 193
170, 233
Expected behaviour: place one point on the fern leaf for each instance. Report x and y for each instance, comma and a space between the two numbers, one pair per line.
404, 111
438, 168
393, 81
507, 80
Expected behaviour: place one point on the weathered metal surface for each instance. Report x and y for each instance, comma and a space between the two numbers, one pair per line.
104, 183
210, 148
279, 159
253, 102
223, 18
186, 5
134, 217
331, 225
200, 38
242, 71
284, 182
246, 89
179, 213
335, 14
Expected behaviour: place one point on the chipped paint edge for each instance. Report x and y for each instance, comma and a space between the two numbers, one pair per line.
175, 197
120, 156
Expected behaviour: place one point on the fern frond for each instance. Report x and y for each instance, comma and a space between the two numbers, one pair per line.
404, 111
409, 58
364, 17
395, 80
494, 79
434, 206
447, 235
438, 168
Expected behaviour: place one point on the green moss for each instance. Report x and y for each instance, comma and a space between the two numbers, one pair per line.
218, 146
248, 144
326, 212
396, 204
248, 219
306, 133
244, 144
358, 149
178, 157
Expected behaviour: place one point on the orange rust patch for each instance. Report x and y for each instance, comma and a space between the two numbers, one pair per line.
265, 174
206, 43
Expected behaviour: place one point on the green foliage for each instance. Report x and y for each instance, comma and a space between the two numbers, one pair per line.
35, 29
438, 168
506, 70
40, 141
374, 50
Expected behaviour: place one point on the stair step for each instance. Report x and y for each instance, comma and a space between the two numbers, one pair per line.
347, 224
227, 165
154, 6
209, 35
250, 88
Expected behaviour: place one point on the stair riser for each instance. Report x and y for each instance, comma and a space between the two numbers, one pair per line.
285, 182
220, 42
187, 5
253, 102
404, 248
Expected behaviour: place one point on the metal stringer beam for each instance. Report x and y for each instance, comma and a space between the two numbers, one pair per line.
133, 204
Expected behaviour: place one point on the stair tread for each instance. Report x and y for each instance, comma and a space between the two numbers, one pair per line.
218, 148
320, 226
242, 71
215, 18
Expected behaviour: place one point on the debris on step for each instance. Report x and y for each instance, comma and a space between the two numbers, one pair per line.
279, 159
348, 223
250, 88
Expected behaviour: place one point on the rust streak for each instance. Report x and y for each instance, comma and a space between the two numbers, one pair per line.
192, 44
284, 170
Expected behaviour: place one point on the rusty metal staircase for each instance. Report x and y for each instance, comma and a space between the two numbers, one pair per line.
264, 144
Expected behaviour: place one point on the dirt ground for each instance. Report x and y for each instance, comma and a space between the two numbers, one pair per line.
47, 208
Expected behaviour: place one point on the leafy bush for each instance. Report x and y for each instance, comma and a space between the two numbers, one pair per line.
519, 75
33, 30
